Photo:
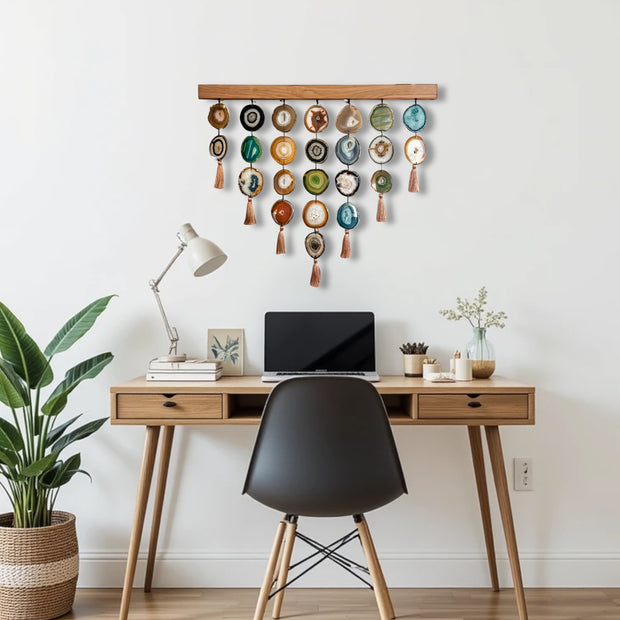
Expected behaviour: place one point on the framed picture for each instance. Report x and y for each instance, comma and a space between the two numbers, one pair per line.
226, 345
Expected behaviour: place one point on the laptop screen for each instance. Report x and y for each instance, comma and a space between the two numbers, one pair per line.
319, 341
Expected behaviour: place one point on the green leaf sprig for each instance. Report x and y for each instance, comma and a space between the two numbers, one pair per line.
475, 312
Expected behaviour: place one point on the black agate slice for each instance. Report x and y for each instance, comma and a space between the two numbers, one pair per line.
252, 117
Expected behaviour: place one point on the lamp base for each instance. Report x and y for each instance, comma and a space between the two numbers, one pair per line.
181, 357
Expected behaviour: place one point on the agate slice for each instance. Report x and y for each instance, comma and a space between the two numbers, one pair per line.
414, 117
283, 150
283, 182
415, 151
347, 150
347, 182
316, 118
251, 149
382, 117
315, 244
252, 117
316, 181
284, 117
218, 116
347, 216
381, 150
282, 212
315, 214
250, 182
381, 181
316, 150
349, 119
218, 147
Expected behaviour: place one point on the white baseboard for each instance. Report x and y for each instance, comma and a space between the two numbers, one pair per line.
402, 570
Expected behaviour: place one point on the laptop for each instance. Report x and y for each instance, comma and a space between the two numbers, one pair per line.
319, 343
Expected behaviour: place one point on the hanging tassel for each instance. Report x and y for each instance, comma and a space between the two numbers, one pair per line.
346, 246
249, 213
413, 180
219, 175
381, 209
280, 246
315, 279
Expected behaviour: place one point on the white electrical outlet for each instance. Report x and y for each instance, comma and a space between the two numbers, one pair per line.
523, 474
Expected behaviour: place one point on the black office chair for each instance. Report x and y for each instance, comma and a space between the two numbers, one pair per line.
324, 449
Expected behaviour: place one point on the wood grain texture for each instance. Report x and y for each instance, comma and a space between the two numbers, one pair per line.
317, 91
352, 603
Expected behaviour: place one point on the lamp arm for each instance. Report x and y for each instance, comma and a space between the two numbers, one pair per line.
173, 335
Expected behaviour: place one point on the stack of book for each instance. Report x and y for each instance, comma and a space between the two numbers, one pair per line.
189, 370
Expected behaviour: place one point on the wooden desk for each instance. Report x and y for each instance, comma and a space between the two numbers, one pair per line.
487, 403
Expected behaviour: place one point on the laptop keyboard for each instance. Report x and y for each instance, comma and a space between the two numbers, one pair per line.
353, 373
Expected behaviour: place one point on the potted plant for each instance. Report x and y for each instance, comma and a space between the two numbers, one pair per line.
413, 356
38, 545
479, 350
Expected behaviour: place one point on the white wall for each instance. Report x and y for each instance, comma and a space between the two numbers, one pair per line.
104, 153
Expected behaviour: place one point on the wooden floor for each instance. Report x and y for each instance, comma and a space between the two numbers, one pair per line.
352, 604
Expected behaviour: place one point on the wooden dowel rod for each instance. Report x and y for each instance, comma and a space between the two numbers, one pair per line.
318, 91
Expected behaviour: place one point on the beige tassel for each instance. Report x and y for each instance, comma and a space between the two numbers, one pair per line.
346, 246
249, 213
413, 180
280, 246
381, 209
315, 279
219, 175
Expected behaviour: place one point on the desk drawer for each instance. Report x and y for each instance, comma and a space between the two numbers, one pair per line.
472, 406
169, 406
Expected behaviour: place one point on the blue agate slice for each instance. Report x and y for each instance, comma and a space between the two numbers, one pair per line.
347, 150
347, 216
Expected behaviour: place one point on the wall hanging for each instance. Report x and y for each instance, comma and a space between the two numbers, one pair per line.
347, 150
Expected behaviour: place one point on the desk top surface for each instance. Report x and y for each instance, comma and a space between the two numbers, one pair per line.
252, 384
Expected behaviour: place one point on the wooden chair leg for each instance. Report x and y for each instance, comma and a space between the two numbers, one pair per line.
384, 603
263, 596
285, 562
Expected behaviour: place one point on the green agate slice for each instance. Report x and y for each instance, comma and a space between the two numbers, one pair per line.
251, 149
382, 117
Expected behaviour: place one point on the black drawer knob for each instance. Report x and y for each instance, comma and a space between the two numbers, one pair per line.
474, 404
169, 403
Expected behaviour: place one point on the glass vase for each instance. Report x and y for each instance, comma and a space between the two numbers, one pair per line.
482, 354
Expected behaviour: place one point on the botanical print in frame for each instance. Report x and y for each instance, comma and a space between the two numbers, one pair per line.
226, 345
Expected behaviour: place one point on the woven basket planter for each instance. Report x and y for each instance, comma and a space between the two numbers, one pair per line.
38, 568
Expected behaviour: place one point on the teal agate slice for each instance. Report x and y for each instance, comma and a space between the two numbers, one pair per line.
347, 216
347, 150
414, 117
251, 149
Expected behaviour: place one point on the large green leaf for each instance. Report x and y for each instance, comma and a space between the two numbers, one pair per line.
18, 348
79, 433
10, 437
57, 431
62, 472
39, 466
12, 390
73, 377
8, 458
77, 326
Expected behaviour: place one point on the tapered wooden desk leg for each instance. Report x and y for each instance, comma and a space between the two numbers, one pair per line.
501, 486
144, 485
475, 441
162, 477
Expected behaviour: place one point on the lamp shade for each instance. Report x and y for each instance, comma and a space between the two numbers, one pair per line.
203, 255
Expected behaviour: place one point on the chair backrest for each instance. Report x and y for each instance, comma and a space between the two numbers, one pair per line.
324, 448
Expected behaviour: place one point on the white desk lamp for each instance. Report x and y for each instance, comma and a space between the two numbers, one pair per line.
203, 257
